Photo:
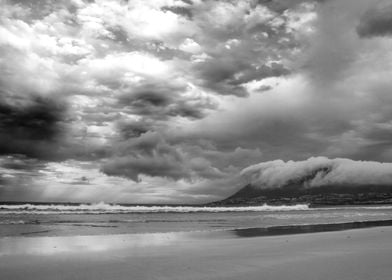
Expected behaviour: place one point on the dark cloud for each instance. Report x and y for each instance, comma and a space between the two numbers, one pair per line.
31, 129
133, 167
149, 97
157, 101
225, 161
148, 154
258, 128
226, 74
180, 10
42, 8
377, 21
375, 150
280, 6
20, 163
134, 129
158, 154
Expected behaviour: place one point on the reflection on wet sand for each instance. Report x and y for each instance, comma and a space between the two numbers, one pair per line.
51, 245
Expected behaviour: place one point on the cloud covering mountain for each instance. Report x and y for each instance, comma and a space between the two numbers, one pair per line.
317, 172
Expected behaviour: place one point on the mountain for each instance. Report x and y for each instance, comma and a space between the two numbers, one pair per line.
305, 187
298, 193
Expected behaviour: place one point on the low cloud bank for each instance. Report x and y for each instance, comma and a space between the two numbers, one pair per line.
318, 172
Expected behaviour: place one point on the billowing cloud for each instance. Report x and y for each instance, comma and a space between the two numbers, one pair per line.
169, 100
153, 155
158, 100
318, 172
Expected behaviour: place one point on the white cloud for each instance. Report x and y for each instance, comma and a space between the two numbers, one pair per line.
126, 68
190, 46
319, 171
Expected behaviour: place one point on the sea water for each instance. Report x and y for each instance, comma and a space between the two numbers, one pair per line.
101, 218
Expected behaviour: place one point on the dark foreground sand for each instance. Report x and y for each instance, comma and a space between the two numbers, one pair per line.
350, 254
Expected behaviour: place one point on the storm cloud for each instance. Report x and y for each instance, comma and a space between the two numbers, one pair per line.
377, 21
168, 101
31, 129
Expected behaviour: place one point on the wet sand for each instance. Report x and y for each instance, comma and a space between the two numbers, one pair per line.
364, 253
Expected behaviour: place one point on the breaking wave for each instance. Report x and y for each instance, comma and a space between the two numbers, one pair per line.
12, 222
103, 208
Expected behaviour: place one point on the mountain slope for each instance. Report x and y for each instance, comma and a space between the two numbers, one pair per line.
295, 193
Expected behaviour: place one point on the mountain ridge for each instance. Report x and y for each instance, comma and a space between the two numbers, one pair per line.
298, 194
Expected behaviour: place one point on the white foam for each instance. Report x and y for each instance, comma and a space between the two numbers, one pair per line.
12, 222
356, 207
102, 208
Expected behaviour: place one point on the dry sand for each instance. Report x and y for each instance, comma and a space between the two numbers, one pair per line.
351, 254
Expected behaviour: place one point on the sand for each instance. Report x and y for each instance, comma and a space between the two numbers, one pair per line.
349, 254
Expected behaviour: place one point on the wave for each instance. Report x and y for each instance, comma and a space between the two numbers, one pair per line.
103, 208
12, 222
355, 207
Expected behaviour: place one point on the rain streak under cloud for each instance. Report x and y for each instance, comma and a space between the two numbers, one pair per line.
168, 101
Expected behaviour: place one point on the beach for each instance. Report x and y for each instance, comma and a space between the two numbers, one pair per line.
364, 253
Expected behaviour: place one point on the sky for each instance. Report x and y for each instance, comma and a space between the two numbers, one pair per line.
171, 101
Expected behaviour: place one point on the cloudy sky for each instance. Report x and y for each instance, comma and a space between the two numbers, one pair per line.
168, 100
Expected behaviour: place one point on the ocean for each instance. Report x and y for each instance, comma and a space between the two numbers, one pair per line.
103, 219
